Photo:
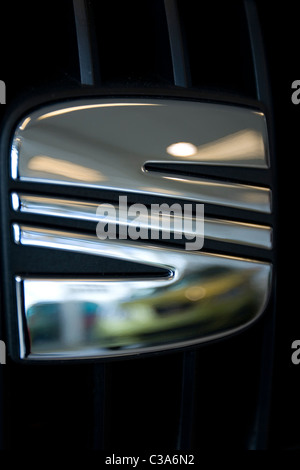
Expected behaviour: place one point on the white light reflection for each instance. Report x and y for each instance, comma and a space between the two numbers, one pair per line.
100, 292
91, 106
182, 149
242, 145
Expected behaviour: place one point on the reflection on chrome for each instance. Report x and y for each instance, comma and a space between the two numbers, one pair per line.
84, 107
182, 149
242, 145
200, 297
241, 196
55, 166
75, 318
216, 229
105, 143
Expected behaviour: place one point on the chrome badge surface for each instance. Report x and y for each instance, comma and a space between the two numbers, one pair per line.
117, 145
109, 144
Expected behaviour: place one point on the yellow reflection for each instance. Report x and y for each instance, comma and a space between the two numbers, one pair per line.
206, 307
64, 168
195, 293
241, 145
25, 123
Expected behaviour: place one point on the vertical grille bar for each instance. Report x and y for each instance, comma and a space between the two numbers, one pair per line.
89, 75
179, 59
185, 432
182, 78
259, 437
258, 440
89, 72
2, 421
258, 56
99, 381
1, 410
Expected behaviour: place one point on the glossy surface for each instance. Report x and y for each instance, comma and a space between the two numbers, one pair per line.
105, 143
216, 229
198, 297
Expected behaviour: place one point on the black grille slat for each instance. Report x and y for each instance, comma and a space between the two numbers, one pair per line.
185, 431
143, 403
87, 51
40, 48
260, 68
99, 393
260, 431
178, 52
218, 47
132, 39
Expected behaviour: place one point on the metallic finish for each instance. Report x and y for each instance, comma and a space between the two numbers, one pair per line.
106, 143
199, 297
241, 233
216, 229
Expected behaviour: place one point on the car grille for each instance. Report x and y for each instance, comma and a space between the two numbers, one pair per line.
211, 396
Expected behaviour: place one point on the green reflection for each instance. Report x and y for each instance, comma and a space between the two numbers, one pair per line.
196, 306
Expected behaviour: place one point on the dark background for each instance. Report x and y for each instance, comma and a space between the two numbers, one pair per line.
280, 29
38, 56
